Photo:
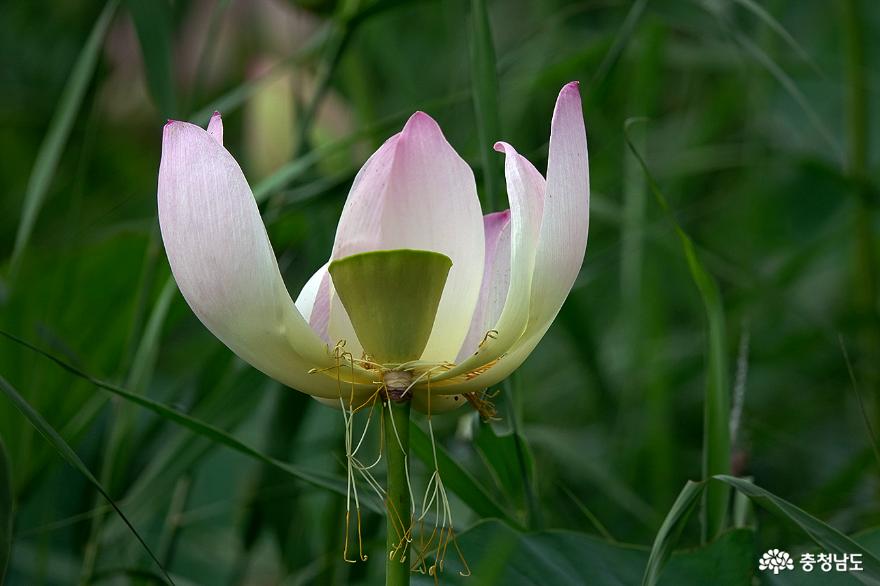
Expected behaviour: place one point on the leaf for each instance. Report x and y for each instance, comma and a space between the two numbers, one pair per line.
196, 426
827, 537
456, 478
668, 534
152, 20
6, 510
499, 453
66, 452
59, 131
716, 421
484, 81
499, 555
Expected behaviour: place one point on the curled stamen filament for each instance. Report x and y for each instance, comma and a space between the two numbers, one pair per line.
435, 499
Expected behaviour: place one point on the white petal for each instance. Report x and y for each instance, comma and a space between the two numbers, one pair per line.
224, 265
561, 245
563, 240
525, 188
416, 192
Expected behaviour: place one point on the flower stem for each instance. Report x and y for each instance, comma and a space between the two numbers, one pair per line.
396, 425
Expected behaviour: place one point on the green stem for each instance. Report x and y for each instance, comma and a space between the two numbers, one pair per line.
395, 417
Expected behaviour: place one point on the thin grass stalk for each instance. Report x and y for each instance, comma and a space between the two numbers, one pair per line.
484, 82
59, 130
865, 278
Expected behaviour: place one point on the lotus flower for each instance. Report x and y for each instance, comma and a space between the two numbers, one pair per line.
431, 298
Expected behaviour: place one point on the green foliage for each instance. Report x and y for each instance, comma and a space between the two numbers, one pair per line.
484, 82
497, 554
761, 146
716, 418
6, 510
66, 452
152, 19
59, 130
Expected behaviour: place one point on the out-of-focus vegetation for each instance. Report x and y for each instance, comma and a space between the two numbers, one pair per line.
761, 132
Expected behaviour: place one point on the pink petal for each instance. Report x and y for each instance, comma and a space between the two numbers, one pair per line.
313, 302
416, 192
223, 262
215, 128
563, 239
496, 278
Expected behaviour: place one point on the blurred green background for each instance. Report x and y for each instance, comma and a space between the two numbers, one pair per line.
761, 132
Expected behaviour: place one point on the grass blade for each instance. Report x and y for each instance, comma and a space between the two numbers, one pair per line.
591, 517
66, 452
670, 529
826, 536
762, 14
6, 511
484, 81
59, 130
716, 423
152, 20
196, 426
148, 348
621, 39
869, 428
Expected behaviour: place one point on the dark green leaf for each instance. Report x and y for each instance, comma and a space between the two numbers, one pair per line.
826, 536
500, 556
667, 536
152, 19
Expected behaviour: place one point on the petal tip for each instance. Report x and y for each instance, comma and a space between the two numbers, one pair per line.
497, 218
568, 104
505, 147
215, 127
420, 122
170, 126
570, 91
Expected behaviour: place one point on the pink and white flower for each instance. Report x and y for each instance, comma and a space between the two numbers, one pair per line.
511, 271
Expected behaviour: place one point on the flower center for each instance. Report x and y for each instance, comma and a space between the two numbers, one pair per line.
397, 384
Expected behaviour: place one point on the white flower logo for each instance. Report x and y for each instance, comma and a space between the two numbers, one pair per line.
775, 560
